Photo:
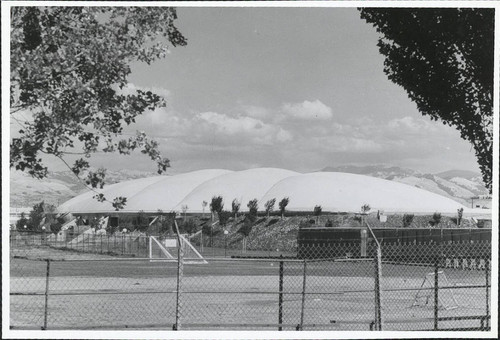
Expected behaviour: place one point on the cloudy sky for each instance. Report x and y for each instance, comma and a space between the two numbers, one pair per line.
295, 88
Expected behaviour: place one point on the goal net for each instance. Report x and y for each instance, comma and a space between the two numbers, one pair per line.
425, 295
166, 249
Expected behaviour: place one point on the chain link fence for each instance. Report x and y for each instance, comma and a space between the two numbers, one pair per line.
343, 286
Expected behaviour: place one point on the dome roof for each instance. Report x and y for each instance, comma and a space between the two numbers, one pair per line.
345, 192
243, 186
148, 194
333, 191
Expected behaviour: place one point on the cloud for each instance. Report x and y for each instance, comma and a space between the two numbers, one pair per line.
215, 127
249, 136
258, 112
307, 110
412, 125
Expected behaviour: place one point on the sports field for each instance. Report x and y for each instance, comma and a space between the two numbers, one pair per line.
106, 292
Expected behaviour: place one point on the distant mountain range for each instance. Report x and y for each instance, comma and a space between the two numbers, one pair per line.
459, 185
58, 187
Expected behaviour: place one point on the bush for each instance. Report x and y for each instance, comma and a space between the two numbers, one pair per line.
224, 217
436, 219
189, 227
247, 226
304, 224
407, 220
329, 224
23, 221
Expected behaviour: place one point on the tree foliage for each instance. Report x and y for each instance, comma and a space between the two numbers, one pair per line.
365, 208
443, 58
40, 214
217, 204
436, 219
235, 207
36, 216
460, 214
224, 217
269, 206
189, 226
253, 207
68, 93
22, 222
282, 205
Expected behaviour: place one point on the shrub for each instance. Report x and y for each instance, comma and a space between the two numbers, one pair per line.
224, 217
329, 224
247, 226
21, 222
189, 226
407, 220
304, 224
436, 219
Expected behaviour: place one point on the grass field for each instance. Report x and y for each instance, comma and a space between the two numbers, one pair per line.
229, 294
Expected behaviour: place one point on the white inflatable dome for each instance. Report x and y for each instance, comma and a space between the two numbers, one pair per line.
345, 192
147, 194
243, 186
333, 191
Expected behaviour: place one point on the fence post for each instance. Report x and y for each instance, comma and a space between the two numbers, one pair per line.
180, 273
378, 302
46, 306
486, 272
299, 328
280, 296
436, 292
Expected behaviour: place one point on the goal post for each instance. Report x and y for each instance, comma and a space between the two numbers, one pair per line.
166, 250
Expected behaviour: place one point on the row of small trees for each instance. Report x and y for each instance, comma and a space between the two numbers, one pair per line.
217, 208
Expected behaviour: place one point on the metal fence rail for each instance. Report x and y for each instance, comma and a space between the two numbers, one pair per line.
320, 287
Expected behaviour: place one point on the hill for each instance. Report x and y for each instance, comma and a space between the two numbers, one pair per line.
459, 185
58, 187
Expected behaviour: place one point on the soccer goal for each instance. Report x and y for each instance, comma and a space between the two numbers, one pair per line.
167, 250
446, 299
